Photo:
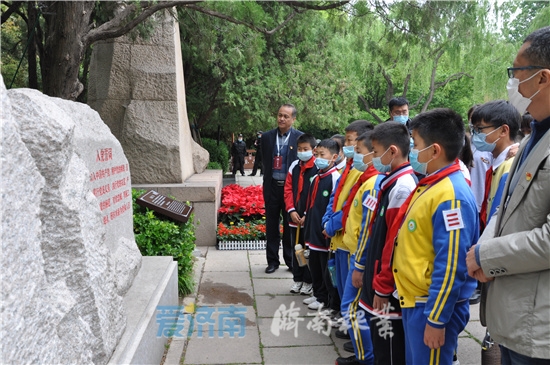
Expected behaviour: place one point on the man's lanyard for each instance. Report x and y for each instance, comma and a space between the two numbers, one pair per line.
284, 142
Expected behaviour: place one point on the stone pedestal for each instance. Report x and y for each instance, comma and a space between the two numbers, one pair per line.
204, 192
155, 285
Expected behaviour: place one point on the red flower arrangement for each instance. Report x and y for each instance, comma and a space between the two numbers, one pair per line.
241, 216
241, 203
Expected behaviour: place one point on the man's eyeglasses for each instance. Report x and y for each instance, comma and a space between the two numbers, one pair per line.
512, 69
478, 130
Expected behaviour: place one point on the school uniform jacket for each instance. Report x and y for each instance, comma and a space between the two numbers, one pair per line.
429, 258
501, 168
332, 219
293, 201
356, 231
394, 190
316, 207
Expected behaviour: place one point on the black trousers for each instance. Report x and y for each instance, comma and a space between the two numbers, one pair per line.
299, 273
258, 164
333, 296
274, 211
238, 164
388, 341
318, 267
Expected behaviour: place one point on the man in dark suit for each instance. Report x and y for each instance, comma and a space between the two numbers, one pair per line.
279, 150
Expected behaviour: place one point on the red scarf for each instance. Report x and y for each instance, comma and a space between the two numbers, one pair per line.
483, 214
428, 180
367, 174
303, 167
347, 169
315, 185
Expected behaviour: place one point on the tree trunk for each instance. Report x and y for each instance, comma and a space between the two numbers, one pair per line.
67, 22
31, 53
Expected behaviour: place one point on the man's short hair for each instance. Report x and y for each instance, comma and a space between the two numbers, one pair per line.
398, 101
288, 105
497, 113
340, 139
307, 138
392, 133
442, 126
538, 53
330, 144
359, 126
365, 139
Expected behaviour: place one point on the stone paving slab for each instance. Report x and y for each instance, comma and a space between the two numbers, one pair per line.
226, 350
302, 336
300, 355
469, 351
272, 286
225, 288
226, 260
267, 305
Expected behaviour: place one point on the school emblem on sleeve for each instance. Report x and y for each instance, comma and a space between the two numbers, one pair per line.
325, 193
453, 219
355, 202
411, 225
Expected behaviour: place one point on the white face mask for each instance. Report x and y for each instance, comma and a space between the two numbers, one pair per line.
514, 96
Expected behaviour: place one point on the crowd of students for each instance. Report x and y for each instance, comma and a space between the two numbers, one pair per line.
394, 211
392, 216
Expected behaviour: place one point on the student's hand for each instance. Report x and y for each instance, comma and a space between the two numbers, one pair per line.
295, 217
326, 234
357, 279
302, 220
471, 263
512, 151
380, 303
434, 338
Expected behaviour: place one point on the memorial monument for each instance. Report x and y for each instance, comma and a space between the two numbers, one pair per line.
137, 87
71, 271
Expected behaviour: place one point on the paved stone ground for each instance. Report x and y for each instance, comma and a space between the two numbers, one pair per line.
237, 278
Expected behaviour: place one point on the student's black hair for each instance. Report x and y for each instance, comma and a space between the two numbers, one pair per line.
466, 155
398, 101
307, 138
392, 133
497, 113
287, 105
442, 126
340, 139
525, 126
471, 110
330, 144
359, 126
365, 139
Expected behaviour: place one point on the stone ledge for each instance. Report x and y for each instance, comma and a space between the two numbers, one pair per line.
156, 284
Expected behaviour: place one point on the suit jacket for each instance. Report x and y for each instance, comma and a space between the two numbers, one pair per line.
268, 147
517, 253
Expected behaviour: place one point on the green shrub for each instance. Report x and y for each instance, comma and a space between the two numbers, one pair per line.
158, 236
214, 166
219, 154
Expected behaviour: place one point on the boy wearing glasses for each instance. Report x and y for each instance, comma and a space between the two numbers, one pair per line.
495, 127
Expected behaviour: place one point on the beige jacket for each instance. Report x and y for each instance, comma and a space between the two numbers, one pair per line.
517, 253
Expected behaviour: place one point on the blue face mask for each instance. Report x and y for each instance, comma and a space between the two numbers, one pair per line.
419, 167
358, 162
305, 156
479, 141
349, 151
401, 119
377, 163
321, 163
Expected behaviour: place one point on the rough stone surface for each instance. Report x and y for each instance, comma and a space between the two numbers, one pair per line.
61, 260
137, 87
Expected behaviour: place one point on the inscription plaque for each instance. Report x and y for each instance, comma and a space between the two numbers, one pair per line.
164, 205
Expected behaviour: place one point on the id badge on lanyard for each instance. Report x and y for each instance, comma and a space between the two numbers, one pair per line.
278, 160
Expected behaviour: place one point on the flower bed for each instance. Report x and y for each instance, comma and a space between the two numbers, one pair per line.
241, 220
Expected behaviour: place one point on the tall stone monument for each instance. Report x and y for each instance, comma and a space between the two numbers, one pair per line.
137, 87
70, 264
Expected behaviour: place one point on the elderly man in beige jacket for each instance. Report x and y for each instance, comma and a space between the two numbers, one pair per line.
513, 254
